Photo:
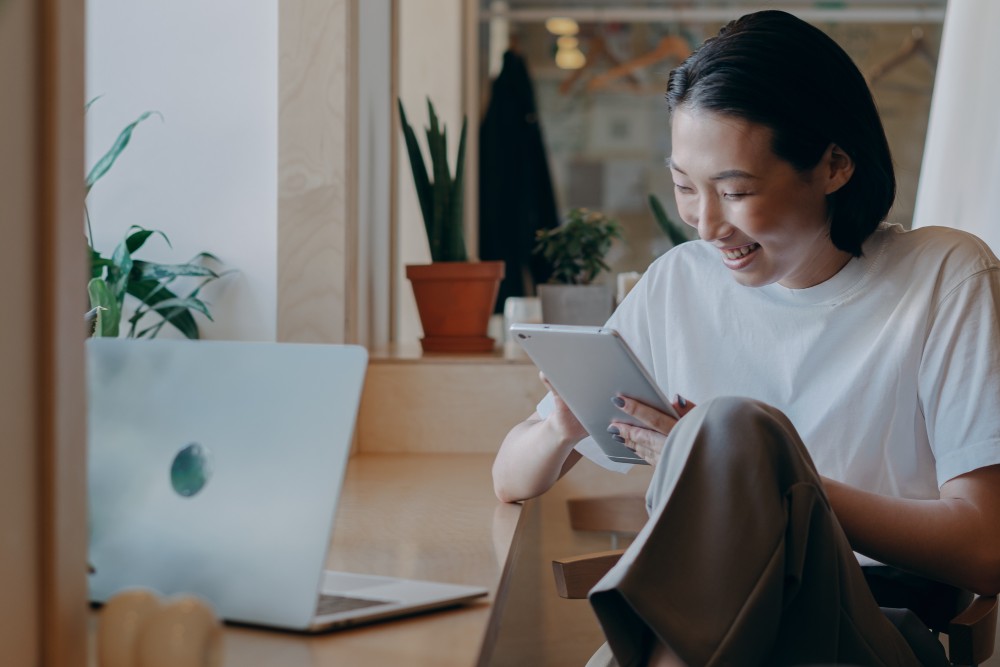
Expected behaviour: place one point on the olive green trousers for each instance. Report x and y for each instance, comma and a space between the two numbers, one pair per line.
742, 561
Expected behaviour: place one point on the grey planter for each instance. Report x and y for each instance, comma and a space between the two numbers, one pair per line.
575, 304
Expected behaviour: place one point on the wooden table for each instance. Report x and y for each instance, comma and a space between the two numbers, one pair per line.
423, 516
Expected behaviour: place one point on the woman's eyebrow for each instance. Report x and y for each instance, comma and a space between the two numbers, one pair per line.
721, 176
732, 173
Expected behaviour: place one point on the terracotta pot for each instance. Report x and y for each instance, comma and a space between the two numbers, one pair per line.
455, 301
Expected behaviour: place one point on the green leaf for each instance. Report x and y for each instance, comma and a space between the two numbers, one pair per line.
108, 313
153, 271
118, 273
167, 305
86, 107
108, 159
150, 293
135, 239
668, 226
438, 145
420, 178
456, 239
98, 264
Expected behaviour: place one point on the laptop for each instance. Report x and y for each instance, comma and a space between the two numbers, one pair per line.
215, 469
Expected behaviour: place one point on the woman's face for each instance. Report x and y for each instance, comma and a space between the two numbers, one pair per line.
768, 220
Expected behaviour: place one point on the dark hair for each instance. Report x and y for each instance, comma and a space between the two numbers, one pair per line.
777, 70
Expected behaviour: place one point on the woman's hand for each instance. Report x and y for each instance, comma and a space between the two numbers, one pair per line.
537, 452
646, 441
562, 419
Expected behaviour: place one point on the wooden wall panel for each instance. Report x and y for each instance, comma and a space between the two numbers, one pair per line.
316, 154
19, 548
43, 274
62, 277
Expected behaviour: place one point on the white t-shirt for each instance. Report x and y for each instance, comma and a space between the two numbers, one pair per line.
890, 370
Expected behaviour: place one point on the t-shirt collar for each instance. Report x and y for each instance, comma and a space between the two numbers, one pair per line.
836, 286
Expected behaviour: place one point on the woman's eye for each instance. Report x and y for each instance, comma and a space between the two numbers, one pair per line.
735, 195
683, 188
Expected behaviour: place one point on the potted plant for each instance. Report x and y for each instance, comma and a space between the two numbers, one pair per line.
455, 297
148, 283
576, 251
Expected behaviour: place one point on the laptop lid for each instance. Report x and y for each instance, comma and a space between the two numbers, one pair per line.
215, 468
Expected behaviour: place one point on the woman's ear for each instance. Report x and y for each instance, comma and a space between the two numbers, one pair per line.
839, 167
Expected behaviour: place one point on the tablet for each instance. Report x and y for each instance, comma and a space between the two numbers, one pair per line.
588, 366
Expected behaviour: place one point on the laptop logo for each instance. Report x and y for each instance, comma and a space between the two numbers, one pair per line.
191, 470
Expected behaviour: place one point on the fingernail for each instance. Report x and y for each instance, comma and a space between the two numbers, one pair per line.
618, 401
618, 438
613, 430
681, 401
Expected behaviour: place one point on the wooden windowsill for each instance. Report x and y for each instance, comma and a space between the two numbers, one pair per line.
411, 353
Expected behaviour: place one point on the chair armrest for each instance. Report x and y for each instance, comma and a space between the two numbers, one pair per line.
971, 634
576, 576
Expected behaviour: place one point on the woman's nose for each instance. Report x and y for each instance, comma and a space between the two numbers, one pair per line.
711, 222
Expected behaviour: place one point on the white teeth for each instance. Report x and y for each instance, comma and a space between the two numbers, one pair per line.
736, 253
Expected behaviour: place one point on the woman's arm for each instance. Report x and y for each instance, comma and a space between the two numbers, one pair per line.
955, 539
536, 453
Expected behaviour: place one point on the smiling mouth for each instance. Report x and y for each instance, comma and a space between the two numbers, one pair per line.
738, 253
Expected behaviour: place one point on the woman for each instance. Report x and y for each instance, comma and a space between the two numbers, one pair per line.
866, 359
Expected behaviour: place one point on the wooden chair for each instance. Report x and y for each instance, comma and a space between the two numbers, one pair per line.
971, 633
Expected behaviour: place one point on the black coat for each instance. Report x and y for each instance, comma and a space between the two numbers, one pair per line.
515, 188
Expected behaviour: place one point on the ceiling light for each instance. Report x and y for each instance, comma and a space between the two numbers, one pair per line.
570, 59
562, 26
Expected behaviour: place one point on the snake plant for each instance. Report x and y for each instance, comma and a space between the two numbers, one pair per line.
439, 193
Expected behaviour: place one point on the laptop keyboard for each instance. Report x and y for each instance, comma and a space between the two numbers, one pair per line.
335, 604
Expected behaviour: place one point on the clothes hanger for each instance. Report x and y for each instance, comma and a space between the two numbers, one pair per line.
598, 50
915, 45
671, 47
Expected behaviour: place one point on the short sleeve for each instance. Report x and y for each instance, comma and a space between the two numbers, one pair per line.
959, 377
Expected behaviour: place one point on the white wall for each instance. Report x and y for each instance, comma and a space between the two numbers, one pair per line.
430, 65
961, 164
206, 175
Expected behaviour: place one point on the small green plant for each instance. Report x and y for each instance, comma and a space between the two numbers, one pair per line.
440, 196
576, 248
121, 274
674, 232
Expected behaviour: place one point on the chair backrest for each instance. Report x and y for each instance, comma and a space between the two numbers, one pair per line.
612, 514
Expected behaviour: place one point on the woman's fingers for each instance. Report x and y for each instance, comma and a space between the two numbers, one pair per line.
645, 442
545, 381
648, 440
649, 416
682, 405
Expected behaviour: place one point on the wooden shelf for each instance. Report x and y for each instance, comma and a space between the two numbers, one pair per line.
444, 403
411, 353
